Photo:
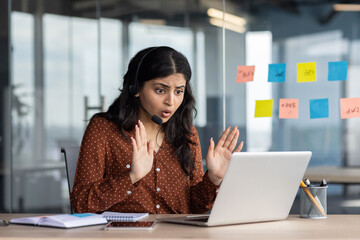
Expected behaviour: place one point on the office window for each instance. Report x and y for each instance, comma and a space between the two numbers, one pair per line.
68, 61
258, 54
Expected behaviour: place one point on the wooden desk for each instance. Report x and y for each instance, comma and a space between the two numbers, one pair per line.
334, 174
334, 227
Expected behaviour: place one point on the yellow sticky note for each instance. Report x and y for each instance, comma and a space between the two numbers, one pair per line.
263, 108
306, 72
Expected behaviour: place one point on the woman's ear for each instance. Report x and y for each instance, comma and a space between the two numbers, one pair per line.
137, 95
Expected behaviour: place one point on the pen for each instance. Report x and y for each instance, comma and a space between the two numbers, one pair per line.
308, 183
323, 183
302, 184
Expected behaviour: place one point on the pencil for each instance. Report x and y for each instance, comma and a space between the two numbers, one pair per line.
302, 184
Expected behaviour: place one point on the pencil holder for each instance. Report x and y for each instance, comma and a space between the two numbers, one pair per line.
313, 202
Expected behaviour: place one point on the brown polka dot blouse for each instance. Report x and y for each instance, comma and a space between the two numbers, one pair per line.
102, 180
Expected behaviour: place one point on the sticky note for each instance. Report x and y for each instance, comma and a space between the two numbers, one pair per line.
288, 108
337, 71
319, 108
245, 74
306, 72
350, 108
263, 108
277, 72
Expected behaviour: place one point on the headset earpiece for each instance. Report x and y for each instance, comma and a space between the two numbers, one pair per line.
132, 90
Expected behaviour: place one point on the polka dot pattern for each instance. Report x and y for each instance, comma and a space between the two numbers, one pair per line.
102, 181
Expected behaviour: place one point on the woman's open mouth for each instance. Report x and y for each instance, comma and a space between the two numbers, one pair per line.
166, 114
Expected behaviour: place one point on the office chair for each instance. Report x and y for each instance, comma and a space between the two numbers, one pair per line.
71, 155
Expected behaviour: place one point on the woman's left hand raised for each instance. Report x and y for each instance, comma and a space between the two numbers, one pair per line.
218, 157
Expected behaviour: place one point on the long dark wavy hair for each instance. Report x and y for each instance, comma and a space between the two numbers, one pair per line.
148, 64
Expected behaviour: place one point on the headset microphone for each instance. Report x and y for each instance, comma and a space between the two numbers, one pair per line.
156, 119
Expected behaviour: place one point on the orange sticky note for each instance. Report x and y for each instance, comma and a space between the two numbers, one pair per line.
306, 72
350, 108
288, 108
263, 108
245, 74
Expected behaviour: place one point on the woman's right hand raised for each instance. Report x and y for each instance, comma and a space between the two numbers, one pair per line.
143, 154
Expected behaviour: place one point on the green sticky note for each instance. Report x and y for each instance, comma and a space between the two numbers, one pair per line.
263, 108
306, 72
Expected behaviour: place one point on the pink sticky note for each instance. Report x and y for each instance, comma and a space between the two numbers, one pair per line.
288, 108
245, 74
350, 107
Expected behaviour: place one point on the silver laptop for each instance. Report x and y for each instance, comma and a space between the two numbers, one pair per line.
257, 187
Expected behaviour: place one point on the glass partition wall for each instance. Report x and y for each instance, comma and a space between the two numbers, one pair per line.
66, 60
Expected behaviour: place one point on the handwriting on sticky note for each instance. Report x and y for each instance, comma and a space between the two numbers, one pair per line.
306, 72
288, 108
309, 73
263, 108
350, 108
277, 72
245, 74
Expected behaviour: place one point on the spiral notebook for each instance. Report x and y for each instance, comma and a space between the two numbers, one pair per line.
123, 217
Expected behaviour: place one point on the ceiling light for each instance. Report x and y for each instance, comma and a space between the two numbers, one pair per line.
212, 12
347, 7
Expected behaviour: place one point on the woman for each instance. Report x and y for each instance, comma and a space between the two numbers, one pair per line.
143, 154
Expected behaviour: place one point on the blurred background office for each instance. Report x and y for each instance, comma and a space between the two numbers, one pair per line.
63, 60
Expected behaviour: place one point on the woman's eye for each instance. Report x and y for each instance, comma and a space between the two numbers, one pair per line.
159, 90
179, 92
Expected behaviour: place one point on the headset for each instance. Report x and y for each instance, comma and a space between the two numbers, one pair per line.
134, 88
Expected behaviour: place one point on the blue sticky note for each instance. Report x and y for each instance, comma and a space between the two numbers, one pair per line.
277, 72
337, 71
319, 108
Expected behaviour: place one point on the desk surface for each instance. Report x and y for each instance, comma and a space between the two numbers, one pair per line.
334, 174
333, 227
